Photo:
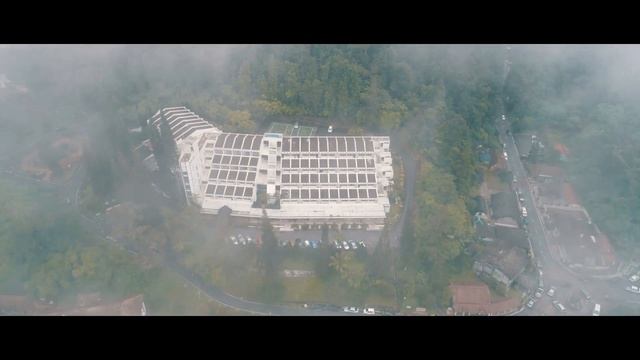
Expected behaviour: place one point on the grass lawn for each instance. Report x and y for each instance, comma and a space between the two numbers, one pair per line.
466, 276
297, 263
333, 291
169, 294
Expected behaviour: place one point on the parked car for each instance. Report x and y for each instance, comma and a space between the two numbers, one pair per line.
330, 129
337, 245
362, 244
539, 293
503, 117
353, 244
345, 245
596, 310
634, 289
530, 303
369, 311
314, 244
351, 309
558, 305
634, 278
585, 294
552, 291
307, 243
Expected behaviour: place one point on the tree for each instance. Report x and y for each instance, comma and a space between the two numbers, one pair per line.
350, 269
269, 247
241, 121
456, 152
392, 113
379, 264
440, 224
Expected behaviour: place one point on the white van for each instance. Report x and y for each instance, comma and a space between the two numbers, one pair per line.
596, 310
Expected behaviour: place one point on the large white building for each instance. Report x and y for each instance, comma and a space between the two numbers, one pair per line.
303, 180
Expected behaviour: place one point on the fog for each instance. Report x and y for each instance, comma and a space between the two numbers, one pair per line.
584, 97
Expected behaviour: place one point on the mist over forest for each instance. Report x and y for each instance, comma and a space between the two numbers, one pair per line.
441, 101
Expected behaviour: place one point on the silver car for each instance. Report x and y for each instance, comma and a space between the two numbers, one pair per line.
539, 293
633, 289
552, 291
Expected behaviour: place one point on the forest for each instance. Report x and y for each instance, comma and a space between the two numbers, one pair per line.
586, 96
441, 99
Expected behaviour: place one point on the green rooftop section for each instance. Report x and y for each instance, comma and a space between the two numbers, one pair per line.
291, 130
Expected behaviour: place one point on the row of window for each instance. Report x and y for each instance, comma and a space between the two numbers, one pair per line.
326, 143
235, 152
238, 141
335, 194
232, 175
234, 160
343, 178
229, 190
358, 163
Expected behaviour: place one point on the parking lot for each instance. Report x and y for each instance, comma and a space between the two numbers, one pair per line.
577, 240
565, 300
307, 238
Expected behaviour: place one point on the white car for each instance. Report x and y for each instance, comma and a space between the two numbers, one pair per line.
634, 278
352, 310
330, 129
539, 293
369, 311
530, 303
634, 289
596, 310
307, 243
503, 117
345, 245
551, 291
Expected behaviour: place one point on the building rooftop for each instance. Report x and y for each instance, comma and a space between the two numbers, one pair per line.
475, 299
293, 172
504, 204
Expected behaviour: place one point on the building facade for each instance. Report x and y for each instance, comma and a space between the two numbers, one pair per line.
300, 180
